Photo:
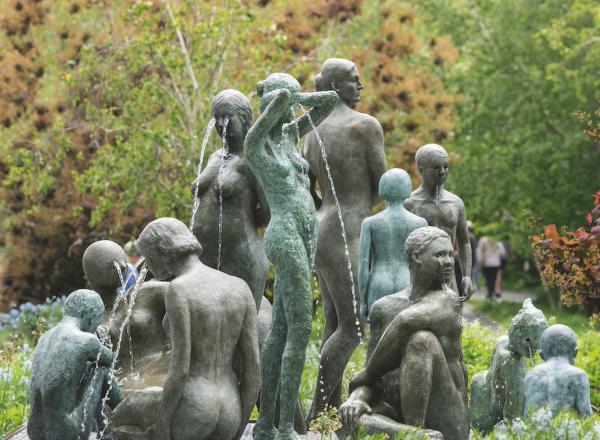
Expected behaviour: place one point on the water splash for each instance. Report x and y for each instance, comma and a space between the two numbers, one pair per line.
209, 129
134, 291
341, 219
220, 181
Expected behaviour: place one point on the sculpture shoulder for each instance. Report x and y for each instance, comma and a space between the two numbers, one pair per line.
366, 125
416, 221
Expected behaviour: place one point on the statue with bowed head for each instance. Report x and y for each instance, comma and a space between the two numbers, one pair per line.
443, 209
383, 269
353, 143
71, 374
414, 376
557, 383
497, 394
290, 240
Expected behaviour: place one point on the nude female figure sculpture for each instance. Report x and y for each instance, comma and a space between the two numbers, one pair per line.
212, 316
444, 210
290, 240
244, 207
354, 146
383, 269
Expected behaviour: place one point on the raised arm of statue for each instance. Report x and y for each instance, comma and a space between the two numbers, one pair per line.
437, 316
179, 368
363, 267
322, 104
262, 214
247, 350
464, 251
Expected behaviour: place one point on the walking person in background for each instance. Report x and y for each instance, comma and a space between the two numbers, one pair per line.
503, 261
133, 257
490, 253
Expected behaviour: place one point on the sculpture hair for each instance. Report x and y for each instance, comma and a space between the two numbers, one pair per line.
231, 101
84, 303
332, 70
559, 341
395, 184
168, 236
428, 152
420, 238
526, 328
276, 81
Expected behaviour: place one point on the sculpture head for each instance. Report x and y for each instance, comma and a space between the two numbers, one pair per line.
99, 267
395, 185
432, 163
430, 255
164, 243
526, 328
342, 76
559, 341
86, 307
232, 106
277, 81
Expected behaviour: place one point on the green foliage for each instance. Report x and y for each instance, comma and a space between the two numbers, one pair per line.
526, 68
478, 343
15, 372
326, 422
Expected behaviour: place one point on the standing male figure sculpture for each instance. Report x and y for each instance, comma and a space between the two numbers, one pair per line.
67, 386
443, 209
415, 375
356, 159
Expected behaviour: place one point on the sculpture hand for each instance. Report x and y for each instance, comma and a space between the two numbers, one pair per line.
467, 288
352, 410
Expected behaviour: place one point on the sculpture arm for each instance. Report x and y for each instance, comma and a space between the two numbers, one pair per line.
313, 189
250, 359
464, 251
322, 104
95, 351
358, 403
438, 316
375, 156
582, 402
280, 103
180, 330
262, 214
363, 268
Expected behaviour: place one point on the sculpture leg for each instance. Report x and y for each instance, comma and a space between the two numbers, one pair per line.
271, 359
297, 306
376, 423
338, 348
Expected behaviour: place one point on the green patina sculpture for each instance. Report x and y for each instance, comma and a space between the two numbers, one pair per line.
414, 375
228, 183
353, 143
212, 320
558, 384
383, 269
71, 374
443, 209
497, 393
290, 240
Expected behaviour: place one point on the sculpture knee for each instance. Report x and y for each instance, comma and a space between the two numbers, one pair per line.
423, 342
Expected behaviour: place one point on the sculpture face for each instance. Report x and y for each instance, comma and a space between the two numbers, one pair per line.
235, 127
349, 87
437, 260
526, 328
159, 266
435, 169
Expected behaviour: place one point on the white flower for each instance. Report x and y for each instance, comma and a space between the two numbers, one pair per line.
5, 374
518, 427
27, 365
568, 430
541, 419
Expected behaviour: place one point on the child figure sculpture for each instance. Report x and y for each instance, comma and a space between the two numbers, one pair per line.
383, 269
558, 384
497, 394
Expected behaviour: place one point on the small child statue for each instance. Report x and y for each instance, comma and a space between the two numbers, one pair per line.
498, 393
556, 383
383, 269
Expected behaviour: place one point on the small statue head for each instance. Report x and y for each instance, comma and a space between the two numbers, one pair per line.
342, 76
559, 341
277, 81
395, 185
163, 243
526, 328
99, 266
432, 162
232, 106
86, 307
430, 255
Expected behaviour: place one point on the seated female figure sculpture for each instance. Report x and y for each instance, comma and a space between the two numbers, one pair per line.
382, 268
557, 383
414, 376
290, 240
71, 374
148, 338
497, 393
212, 316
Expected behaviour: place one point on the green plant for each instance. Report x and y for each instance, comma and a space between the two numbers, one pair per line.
326, 422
